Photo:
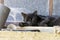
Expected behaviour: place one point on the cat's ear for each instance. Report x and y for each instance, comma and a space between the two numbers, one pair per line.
35, 12
24, 14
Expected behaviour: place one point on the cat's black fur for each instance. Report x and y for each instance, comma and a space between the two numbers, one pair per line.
32, 19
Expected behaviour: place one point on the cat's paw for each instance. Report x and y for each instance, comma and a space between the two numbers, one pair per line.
22, 24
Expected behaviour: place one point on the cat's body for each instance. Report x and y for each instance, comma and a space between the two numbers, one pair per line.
39, 20
31, 19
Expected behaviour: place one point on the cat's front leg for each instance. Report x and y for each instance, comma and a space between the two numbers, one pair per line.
22, 24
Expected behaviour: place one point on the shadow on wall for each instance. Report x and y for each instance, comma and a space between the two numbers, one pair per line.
15, 14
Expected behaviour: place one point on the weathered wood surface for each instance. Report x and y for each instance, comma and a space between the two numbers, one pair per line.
10, 35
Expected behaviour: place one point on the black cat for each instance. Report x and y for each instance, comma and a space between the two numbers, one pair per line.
31, 19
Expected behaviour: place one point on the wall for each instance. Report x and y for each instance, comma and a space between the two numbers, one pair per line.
56, 7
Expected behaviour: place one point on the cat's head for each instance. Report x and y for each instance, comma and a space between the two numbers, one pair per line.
31, 18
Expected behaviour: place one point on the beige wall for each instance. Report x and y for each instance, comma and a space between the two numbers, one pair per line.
2, 1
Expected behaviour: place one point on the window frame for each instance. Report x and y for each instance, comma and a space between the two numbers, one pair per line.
2, 1
50, 7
